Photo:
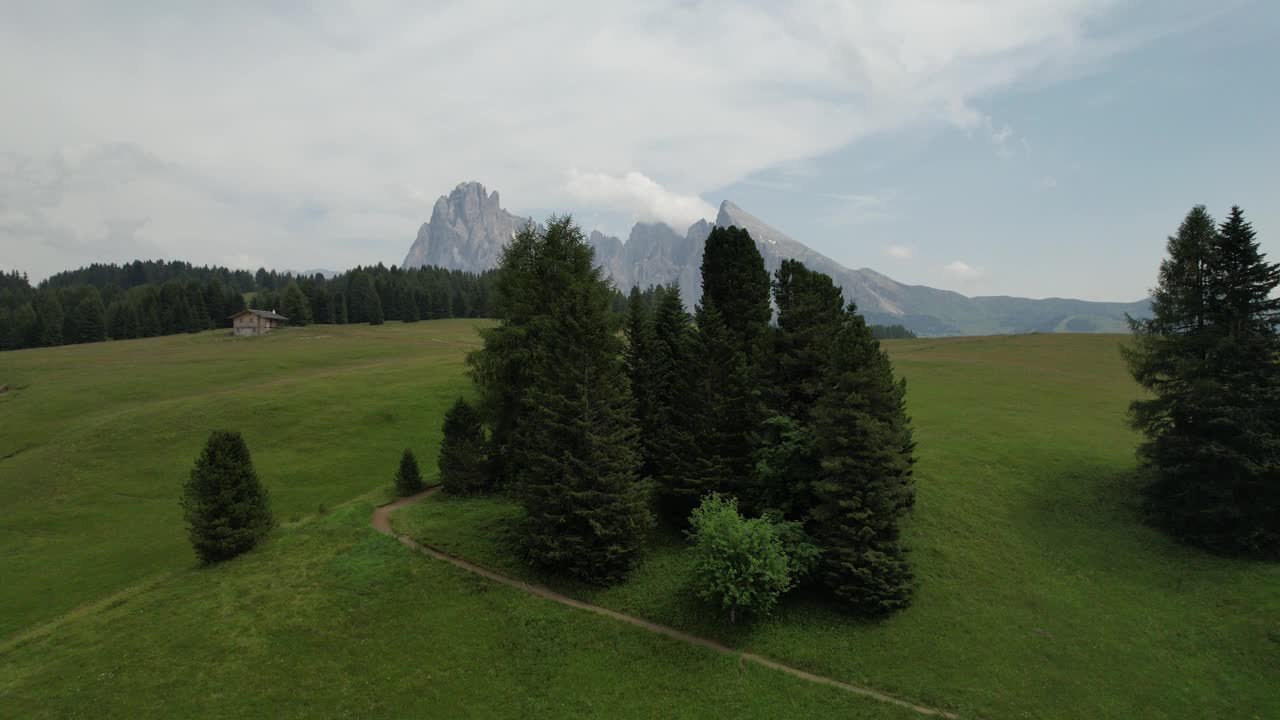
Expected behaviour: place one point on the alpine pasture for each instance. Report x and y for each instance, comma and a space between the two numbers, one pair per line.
1042, 593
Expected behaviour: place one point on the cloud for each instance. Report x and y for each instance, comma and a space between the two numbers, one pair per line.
642, 197
961, 270
900, 252
371, 111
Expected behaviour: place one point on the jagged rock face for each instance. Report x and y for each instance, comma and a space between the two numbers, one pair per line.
467, 231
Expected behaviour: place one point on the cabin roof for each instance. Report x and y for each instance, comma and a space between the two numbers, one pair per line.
260, 313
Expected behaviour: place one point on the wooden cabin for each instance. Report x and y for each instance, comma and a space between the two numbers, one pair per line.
256, 322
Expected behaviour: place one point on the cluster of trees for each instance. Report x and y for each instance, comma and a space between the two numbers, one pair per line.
1210, 355
150, 298
598, 435
892, 332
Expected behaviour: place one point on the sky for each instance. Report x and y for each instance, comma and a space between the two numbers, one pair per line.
1024, 147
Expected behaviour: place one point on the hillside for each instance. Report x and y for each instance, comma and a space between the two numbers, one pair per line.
1042, 594
468, 229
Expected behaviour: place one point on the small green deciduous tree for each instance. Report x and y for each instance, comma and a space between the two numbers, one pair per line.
744, 565
225, 505
462, 451
408, 477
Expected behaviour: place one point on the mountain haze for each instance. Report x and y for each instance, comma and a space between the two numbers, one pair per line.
468, 229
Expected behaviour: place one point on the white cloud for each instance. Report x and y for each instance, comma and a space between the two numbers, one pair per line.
247, 115
961, 270
640, 196
900, 252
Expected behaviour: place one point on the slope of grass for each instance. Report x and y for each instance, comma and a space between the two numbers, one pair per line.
1042, 593
96, 441
330, 620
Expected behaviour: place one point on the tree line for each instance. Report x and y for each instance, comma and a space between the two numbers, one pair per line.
151, 298
602, 425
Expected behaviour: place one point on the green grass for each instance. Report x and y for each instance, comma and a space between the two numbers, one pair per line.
330, 620
96, 441
1042, 593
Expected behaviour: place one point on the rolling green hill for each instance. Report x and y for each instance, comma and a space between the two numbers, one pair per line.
1042, 593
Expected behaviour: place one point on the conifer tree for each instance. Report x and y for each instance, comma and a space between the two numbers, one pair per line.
671, 447
294, 305
225, 505
576, 448
462, 451
1209, 357
639, 356
864, 485
89, 320
408, 477
735, 281
49, 318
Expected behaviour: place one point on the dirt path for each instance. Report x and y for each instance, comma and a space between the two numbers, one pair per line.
382, 523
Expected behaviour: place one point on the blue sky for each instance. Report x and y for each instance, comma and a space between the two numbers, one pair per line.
1036, 148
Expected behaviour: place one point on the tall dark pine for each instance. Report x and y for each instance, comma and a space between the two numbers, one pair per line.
639, 356
408, 477
225, 505
462, 451
678, 414
736, 282
864, 485
295, 306
576, 448
1209, 356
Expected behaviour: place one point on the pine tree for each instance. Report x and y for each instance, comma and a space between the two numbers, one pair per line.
864, 486
810, 310
671, 447
225, 505
736, 283
462, 451
49, 317
88, 319
408, 478
639, 356
1209, 357
294, 305
576, 448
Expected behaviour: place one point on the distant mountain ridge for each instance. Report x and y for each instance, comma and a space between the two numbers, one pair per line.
468, 229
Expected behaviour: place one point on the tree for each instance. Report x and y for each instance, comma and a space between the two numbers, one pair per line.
810, 310
49, 318
576, 446
462, 451
363, 304
735, 282
295, 306
864, 485
639, 357
225, 505
89, 318
1208, 356
741, 565
408, 478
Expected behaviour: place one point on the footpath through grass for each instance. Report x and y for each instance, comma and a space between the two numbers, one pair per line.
1042, 594
330, 619
96, 441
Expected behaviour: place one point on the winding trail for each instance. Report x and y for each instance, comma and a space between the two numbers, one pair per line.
382, 523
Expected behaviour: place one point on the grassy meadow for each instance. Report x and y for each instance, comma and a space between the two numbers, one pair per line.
96, 441
1042, 594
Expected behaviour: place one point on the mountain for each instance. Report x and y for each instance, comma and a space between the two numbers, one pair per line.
468, 229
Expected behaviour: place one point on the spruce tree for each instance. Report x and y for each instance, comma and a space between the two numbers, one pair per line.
736, 283
672, 448
89, 321
1209, 357
408, 478
49, 318
864, 485
639, 356
576, 448
225, 505
295, 306
462, 451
